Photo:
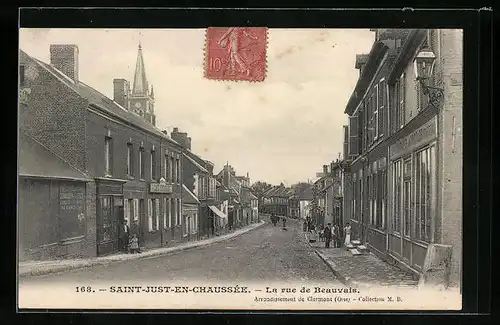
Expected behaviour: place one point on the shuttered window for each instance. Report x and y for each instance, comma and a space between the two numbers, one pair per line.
353, 136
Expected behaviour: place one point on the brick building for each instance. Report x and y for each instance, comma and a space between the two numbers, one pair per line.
403, 192
133, 167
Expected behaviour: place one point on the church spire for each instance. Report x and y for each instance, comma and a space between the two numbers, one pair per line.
140, 81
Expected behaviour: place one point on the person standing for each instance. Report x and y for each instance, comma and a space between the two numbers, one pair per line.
347, 232
123, 233
327, 233
136, 230
284, 222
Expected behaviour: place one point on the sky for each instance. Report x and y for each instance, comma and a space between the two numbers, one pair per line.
280, 130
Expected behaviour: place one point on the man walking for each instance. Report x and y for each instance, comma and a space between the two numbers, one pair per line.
327, 235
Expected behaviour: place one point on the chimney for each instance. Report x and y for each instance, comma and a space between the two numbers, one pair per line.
188, 143
325, 169
64, 57
121, 89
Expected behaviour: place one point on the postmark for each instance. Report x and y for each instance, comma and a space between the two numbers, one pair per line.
236, 53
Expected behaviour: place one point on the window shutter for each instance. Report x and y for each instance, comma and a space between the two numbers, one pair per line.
353, 136
169, 209
402, 94
150, 215
179, 210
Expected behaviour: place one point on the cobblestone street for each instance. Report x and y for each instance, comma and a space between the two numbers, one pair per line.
265, 254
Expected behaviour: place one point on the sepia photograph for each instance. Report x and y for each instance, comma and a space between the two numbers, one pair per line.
246, 168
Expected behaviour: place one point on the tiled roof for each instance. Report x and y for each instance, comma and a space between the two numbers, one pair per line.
35, 160
104, 103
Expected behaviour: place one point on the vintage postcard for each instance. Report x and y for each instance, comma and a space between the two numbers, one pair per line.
240, 168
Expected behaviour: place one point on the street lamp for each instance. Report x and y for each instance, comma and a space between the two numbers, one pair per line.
423, 68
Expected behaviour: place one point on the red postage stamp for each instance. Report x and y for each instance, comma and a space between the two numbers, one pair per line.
236, 53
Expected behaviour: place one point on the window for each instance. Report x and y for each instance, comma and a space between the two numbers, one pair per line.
153, 214
153, 165
179, 209
157, 213
377, 100
178, 170
401, 101
169, 209
108, 227
171, 171
130, 160
407, 208
165, 166
397, 196
150, 215
424, 191
129, 211
382, 104
141, 163
108, 156
136, 210
174, 211
165, 213
21, 75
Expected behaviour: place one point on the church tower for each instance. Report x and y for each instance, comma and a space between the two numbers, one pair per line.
142, 99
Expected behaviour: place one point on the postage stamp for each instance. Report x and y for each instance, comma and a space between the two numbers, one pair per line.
236, 53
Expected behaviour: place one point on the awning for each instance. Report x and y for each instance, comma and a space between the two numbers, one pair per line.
218, 212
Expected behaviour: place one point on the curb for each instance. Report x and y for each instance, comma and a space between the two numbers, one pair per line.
344, 279
91, 263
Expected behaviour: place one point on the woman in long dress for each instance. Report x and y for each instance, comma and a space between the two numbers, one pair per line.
347, 231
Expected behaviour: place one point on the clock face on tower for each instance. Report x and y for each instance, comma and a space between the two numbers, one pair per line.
137, 105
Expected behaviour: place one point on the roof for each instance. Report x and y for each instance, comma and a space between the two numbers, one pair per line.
200, 167
35, 160
188, 197
103, 103
375, 57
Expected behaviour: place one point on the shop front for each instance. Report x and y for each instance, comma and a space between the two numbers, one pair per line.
413, 193
110, 213
153, 223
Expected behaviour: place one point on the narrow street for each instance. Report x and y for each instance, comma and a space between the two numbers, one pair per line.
267, 254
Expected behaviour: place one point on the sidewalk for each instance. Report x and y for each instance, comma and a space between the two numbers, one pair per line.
365, 270
35, 268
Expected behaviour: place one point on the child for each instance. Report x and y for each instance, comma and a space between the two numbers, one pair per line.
134, 244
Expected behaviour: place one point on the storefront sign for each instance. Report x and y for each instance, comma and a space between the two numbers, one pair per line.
161, 187
422, 135
72, 198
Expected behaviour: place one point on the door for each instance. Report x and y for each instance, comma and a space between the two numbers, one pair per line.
142, 218
110, 212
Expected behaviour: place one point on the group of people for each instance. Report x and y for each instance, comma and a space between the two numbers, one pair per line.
330, 233
275, 219
128, 239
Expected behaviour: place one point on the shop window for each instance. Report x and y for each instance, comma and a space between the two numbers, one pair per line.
108, 156
179, 209
71, 210
397, 185
407, 194
129, 211
424, 180
165, 224
136, 210
157, 213
153, 214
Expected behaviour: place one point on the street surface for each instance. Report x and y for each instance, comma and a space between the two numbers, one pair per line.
265, 254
